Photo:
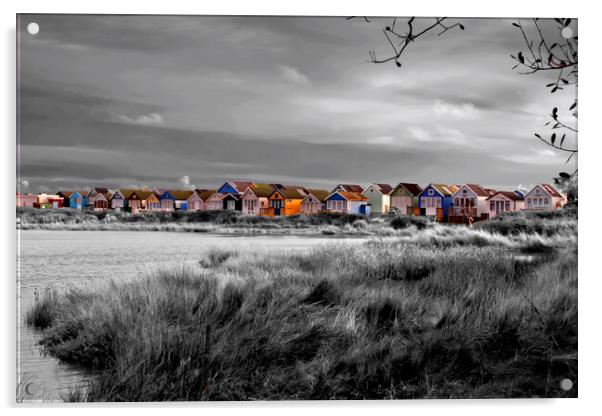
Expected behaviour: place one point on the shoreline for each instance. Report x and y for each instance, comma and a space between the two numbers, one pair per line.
227, 232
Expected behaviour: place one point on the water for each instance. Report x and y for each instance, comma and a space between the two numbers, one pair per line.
64, 258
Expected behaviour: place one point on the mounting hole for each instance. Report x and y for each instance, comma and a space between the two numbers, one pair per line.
566, 384
32, 388
567, 33
33, 28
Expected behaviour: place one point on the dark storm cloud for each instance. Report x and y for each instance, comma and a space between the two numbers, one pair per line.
149, 99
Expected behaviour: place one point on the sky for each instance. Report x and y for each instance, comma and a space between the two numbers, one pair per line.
192, 101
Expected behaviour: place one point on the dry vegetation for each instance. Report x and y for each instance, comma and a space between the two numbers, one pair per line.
446, 312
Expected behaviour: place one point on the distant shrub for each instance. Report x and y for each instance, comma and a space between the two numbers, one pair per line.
405, 221
545, 223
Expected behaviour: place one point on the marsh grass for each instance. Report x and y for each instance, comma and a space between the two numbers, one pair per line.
391, 318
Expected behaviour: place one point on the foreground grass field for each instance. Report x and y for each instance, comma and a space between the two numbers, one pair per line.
428, 314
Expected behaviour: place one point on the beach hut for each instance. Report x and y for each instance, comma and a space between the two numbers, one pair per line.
137, 200
505, 201
167, 200
152, 203
101, 201
214, 202
134, 202
92, 195
470, 201
77, 199
405, 197
347, 202
231, 202
286, 201
26, 200
119, 200
236, 188
436, 200
544, 197
255, 200
205, 195
64, 195
379, 198
175, 199
314, 201
345, 187
194, 202
45, 200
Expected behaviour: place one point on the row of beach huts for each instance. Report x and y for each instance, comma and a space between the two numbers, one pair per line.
453, 203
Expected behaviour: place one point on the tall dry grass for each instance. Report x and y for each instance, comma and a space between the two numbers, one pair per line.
390, 318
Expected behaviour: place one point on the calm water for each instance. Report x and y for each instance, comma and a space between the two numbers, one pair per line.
64, 258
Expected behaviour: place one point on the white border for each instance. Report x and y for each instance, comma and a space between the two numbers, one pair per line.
589, 96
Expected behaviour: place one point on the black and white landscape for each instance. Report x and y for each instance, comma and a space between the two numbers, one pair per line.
439, 259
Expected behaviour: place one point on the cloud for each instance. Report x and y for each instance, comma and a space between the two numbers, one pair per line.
463, 110
184, 180
293, 75
382, 140
149, 119
535, 156
437, 134
23, 183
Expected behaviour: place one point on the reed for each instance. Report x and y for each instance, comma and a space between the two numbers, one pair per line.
390, 318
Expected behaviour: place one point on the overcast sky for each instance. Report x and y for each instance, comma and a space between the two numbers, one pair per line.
174, 101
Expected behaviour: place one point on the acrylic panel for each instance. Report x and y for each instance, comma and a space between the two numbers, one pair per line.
233, 208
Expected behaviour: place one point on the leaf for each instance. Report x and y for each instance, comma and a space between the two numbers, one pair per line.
521, 58
551, 84
388, 29
461, 26
573, 106
538, 136
562, 140
555, 113
564, 175
515, 24
554, 90
398, 64
553, 45
565, 81
553, 138
567, 22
